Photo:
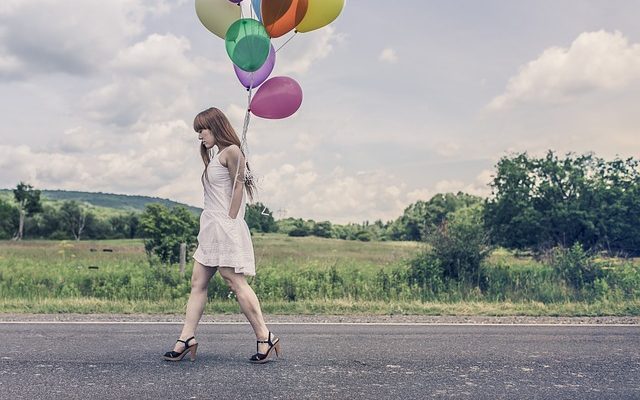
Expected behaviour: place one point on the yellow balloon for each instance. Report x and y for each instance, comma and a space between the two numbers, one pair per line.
217, 15
320, 13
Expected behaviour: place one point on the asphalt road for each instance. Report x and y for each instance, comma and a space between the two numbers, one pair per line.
123, 361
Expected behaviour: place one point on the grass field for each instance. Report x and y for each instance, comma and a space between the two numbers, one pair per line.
306, 275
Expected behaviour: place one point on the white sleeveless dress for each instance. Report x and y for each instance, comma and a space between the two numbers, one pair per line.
222, 240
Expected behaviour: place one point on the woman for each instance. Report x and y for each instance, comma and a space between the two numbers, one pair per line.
224, 241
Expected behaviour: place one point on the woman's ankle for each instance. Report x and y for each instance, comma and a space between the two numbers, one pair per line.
263, 335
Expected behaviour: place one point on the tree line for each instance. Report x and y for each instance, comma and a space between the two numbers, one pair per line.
562, 210
537, 203
29, 216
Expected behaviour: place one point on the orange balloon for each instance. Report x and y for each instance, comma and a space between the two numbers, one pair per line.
282, 16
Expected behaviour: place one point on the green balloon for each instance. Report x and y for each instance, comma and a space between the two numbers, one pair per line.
247, 44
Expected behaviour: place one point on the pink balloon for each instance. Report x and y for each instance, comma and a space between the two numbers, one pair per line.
279, 97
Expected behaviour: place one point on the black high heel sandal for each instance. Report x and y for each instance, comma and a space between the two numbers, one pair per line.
175, 356
260, 358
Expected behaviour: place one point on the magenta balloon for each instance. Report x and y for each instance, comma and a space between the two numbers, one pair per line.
254, 79
277, 98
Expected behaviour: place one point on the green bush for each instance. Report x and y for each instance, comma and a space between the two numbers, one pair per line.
363, 236
9, 217
460, 245
300, 229
575, 266
165, 229
426, 275
322, 229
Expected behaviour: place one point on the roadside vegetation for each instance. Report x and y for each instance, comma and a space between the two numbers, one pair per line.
558, 236
313, 275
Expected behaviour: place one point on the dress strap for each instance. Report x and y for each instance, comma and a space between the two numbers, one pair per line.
221, 151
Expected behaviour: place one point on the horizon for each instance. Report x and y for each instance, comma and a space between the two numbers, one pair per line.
273, 212
392, 113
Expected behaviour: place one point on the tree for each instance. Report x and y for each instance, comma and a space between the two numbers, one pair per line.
424, 217
510, 215
124, 226
285, 225
541, 203
165, 229
49, 223
300, 228
9, 219
363, 236
458, 247
74, 218
260, 218
322, 229
379, 230
118, 226
97, 228
28, 200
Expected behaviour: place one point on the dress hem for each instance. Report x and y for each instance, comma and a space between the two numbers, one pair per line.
238, 270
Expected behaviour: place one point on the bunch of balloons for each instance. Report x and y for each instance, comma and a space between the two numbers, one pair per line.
248, 43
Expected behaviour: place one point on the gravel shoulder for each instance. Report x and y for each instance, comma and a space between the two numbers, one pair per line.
297, 319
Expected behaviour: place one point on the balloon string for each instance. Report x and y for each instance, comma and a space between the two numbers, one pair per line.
244, 147
247, 115
283, 44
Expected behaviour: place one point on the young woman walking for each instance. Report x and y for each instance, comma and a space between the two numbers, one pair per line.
224, 240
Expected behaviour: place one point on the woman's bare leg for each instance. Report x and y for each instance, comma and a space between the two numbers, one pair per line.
197, 299
249, 303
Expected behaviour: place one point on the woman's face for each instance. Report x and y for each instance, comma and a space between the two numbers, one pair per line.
207, 138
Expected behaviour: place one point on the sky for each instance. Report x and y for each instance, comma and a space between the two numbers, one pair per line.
402, 100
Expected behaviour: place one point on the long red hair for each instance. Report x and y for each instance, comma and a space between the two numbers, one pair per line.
219, 125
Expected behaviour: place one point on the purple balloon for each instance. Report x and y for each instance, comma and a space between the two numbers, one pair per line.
254, 79
277, 98
236, 1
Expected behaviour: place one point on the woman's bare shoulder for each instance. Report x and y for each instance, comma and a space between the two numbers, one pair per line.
232, 152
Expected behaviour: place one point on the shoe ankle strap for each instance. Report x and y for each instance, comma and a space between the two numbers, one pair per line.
186, 342
266, 341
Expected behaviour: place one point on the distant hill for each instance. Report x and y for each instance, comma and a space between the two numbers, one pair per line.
121, 202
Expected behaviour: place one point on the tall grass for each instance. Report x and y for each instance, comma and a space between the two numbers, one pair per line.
299, 275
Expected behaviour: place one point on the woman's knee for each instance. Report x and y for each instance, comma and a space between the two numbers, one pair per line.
200, 277
235, 281
198, 283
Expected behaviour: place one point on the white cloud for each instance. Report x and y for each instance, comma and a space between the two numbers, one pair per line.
306, 142
307, 192
73, 36
388, 55
10, 65
79, 140
150, 83
447, 148
479, 187
114, 97
594, 61
158, 55
162, 160
310, 49
236, 114
15, 165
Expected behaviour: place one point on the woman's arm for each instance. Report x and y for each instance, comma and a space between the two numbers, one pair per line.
236, 165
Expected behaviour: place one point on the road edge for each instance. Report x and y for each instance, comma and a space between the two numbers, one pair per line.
326, 319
